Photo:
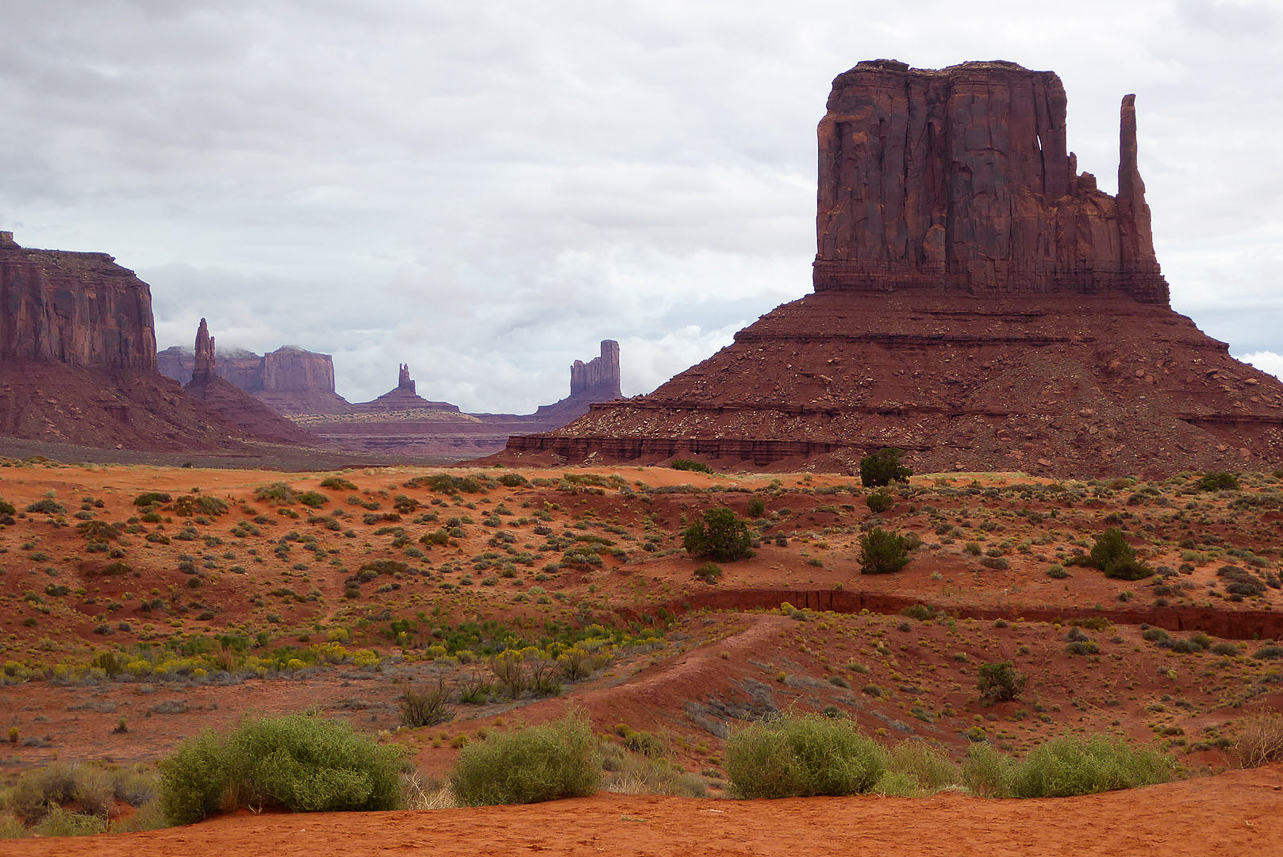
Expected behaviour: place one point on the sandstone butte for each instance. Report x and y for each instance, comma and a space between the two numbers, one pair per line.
289, 380
78, 359
977, 302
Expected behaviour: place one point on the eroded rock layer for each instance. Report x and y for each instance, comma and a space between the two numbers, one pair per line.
79, 309
977, 303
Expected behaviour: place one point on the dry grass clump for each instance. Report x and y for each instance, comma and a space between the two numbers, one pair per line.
1260, 740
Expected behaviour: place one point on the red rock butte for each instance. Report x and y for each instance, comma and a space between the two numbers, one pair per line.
977, 302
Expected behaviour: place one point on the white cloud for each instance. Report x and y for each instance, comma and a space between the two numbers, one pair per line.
485, 191
1266, 361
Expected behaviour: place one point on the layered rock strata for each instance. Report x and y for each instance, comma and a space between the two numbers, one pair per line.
290, 380
79, 309
977, 302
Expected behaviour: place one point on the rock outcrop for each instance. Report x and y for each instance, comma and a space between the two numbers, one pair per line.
290, 380
403, 397
79, 309
591, 382
961, 179
232, 404
978, 302
78, 362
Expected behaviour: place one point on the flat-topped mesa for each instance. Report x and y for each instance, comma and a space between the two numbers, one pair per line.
960, 179
403, 397
598, 377
80, 309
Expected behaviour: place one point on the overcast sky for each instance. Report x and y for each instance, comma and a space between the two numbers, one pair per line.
485, 190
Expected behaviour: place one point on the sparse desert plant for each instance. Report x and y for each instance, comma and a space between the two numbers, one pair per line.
756, 507
338, 483
719, 535
428, 705
926, 768
882, 468
1260, 740
709, 572
691, 465
47, 506
879, 502
1218, 481
1000, 681
799, 756
537, 763
152, 498
278, 494
882, 552
513, 480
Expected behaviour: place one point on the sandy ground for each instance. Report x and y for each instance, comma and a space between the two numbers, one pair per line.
1236, 813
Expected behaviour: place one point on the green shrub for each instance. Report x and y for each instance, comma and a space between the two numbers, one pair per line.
879, 502
64, 822
513, 480
882, 468
1219, 481
799, 756
278, 494
756, 507
313, 499
152, 498
720, 535
1070, 766
47, 507
986, 772
1000, 681
709, 572
199, 504
301, 763
882, 552
537, 763
1113, 555
926, 768
338, 483
691, 465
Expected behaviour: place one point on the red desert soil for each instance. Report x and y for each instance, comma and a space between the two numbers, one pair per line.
1236, 813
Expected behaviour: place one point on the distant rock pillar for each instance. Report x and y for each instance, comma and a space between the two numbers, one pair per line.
1135, 231
404, 382
203, 371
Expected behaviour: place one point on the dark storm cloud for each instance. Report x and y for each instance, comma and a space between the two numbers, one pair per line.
486, 190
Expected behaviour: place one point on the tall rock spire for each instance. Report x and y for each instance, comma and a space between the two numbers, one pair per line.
1135, 232
203, 371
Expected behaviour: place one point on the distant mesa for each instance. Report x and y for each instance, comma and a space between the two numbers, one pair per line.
591, 382
290, 380
978, 302
78, 359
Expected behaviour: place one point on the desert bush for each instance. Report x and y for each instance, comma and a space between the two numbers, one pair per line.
47, 507
1069, 766
879, 502
64, 822
278, 494
799, 756
199, 504
1218, 481
445, 483
882, 468
428, 705
338, 483
513, 480
1000, 681
152, 498
987, 772
1113, 555
756, 507
690, 465
537, 763
313, 499
709, 572
720, 535
1260, 740
926, 768
882, 552
636, 774
301, 763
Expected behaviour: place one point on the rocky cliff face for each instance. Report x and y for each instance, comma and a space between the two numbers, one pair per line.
290, 380
80, 309
978, 303
961, 179
599, 377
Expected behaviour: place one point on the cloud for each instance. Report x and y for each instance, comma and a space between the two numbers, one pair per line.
485, 191
1266, 361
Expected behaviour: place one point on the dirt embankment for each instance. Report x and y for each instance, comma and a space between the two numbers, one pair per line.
1232, 814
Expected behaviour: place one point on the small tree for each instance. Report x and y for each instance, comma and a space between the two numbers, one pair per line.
882, 468
1000, 682
719, 535
882, 552
1114, 556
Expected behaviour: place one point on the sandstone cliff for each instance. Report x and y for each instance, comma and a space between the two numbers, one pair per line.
978, 302
80, 309
290, 380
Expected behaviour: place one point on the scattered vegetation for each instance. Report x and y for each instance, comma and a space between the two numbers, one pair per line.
882, 552
1065, 767
1000, 682
691, 465
882, 468
800, 756
720, 535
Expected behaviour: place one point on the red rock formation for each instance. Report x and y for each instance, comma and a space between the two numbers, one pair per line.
403, 398
977, 303
290, 380
961, 179
598, 377
232, 404
75, 308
